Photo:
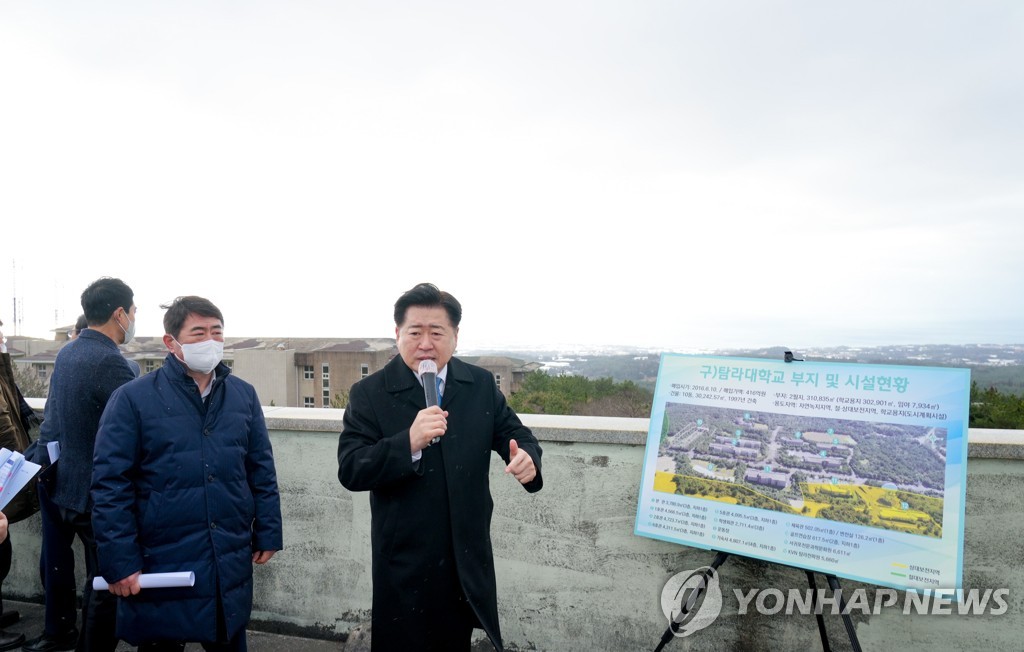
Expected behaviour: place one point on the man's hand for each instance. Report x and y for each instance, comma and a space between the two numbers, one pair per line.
3, 527
521, 465
430, 422
128, 586
262, 556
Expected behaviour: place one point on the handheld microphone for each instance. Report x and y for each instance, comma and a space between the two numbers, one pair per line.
428, 375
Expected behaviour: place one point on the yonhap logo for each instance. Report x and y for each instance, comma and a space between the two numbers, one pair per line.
691, 600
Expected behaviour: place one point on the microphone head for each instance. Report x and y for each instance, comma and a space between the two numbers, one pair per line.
428, 367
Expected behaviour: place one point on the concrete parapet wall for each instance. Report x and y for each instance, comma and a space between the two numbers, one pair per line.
571, 573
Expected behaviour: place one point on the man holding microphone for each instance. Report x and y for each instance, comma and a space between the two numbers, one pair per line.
427, 468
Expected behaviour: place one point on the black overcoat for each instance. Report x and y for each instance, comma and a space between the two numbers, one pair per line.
430, 521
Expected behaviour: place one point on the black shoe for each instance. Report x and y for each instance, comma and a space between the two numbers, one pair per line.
10, 640
66, 641
8, 618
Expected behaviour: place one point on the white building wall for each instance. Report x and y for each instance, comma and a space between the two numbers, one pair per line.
271, 372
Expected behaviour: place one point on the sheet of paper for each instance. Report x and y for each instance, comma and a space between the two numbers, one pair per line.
153, 580
21, 471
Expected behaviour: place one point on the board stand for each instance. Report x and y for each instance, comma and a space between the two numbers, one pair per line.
691, 601
720, 557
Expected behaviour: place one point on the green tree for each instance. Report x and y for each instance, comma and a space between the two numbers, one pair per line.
992, 409
576, 395
340, 401
536, 381
28, 381
741, 471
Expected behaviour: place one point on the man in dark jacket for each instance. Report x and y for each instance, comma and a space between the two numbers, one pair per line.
184, 480
427, 469
86, 372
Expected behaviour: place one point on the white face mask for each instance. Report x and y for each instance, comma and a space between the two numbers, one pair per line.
129, 334
203, 356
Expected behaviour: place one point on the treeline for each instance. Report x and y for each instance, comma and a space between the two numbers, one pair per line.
688, 485
1008, 380
991, 408
900, 459
579, 396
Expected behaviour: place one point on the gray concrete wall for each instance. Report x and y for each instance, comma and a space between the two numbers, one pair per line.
571, 574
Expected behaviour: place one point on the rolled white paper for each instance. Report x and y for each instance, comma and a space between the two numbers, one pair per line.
153, 580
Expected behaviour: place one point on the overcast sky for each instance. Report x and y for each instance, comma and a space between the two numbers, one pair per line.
669, 174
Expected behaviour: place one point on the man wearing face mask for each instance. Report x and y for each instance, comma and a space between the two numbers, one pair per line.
86, 372
184, 480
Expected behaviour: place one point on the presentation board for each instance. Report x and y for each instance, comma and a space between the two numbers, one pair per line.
847, 469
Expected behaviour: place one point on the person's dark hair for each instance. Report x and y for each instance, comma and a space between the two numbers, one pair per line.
103, 297
179, 310
80, 324
428, 296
